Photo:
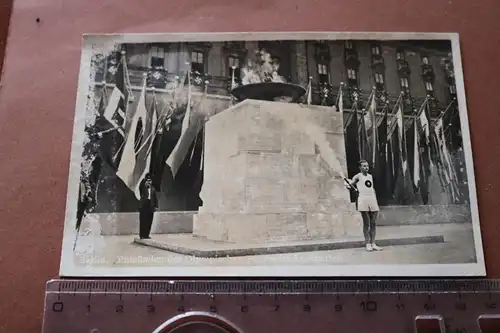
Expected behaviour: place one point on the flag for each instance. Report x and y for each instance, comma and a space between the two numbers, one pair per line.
443, 149
381, 176
102, 139
364, 146
425, 165
390, 170
398, 179
135, 161
189, 130
448, 171
113, 113
437, 195
351, 138
413, 158
424, 122
416, 155
187, 115
373, 130
122, 85
404, 191
157, 158
401, 138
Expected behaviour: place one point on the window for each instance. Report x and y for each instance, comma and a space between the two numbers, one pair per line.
404, 82
157, 57
349, 45
379, 78
453, 89
234, 64
429, 87
322, 69
400, 55
425, 60
323, 73
351, 74
376, 50
197, 62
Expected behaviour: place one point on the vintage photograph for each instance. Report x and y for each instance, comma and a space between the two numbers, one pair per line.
271, 154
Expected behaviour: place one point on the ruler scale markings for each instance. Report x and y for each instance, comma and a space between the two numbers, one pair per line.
299, 287
448, 293
59, 293
158, 286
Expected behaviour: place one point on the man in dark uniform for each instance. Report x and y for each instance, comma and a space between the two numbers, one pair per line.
148, 205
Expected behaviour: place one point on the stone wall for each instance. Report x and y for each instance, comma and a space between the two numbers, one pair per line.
182, 222
430, 214
128, 223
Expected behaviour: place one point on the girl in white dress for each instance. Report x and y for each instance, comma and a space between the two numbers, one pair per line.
367, 204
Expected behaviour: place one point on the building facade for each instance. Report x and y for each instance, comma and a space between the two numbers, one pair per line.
396, 70
415, 69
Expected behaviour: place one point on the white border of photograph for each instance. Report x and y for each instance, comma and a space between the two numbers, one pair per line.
68, 268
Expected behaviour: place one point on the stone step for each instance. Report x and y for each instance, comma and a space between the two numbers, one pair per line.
211, 250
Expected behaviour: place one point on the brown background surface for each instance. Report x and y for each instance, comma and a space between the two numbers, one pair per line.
39, 82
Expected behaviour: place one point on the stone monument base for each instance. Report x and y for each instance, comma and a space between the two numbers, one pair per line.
273, 172
275, 227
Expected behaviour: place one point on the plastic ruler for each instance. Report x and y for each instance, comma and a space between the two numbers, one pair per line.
261, 306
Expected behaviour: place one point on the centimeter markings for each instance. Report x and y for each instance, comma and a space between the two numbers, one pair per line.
380, 300
271, 287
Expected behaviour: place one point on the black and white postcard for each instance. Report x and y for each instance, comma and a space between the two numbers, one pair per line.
271, 154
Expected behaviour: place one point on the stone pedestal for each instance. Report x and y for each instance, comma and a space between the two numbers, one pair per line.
273, 172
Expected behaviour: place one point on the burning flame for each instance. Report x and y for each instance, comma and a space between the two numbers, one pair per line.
263, 68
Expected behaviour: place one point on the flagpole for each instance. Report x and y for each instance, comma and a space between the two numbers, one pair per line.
417, 112
398, 102
354, 112
309, 91
372, 93
386, 106
127, 79
159, 127
339, 93
181, 84
185, 123
416, 153
233, 82
156, 131
373, 111
444, 112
